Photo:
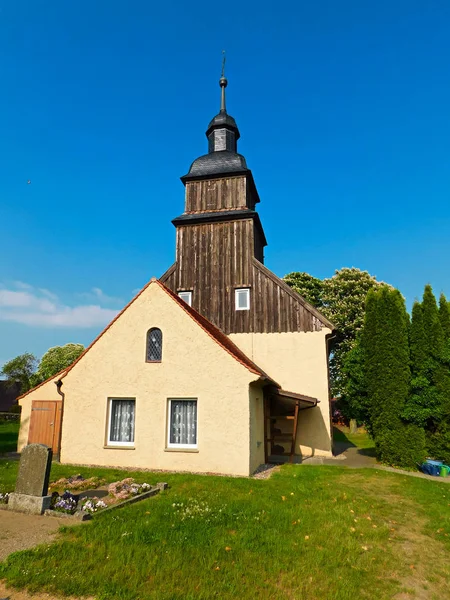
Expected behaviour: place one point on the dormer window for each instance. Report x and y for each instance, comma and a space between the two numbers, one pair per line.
154, 345
242, 299
186, 296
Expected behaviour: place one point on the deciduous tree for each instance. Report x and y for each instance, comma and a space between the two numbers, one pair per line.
20, 369
58, 358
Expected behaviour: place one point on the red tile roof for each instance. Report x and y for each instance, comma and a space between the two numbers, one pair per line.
214, 332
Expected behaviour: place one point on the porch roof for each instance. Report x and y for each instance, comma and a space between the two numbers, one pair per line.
303, 401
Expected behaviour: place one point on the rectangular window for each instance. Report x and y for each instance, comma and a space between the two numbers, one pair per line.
242, 299
182, 424
121, 422
186, 296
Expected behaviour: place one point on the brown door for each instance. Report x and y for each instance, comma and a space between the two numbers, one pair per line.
45, 423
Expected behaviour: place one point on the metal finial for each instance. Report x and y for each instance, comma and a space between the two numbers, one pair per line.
224, 58
223, 84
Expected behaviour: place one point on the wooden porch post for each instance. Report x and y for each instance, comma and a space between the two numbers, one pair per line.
294, 433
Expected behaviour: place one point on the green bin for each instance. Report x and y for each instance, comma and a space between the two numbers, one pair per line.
445, 471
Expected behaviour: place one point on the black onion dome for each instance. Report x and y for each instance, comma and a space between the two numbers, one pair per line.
216, 163
222, 134
223, 120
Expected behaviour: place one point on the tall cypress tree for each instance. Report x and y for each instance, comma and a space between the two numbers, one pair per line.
429, 403
433, 335
444, 315
423, 402
416, 341
385, 346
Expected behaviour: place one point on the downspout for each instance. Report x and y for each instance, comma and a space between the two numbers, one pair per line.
58, 389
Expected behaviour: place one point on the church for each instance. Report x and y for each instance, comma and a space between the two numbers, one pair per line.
218, 366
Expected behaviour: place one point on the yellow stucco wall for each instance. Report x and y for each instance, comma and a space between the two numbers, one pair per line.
298, 362
193, 366
256, 427
47, 391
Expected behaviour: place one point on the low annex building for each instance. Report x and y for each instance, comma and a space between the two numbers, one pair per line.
212, 367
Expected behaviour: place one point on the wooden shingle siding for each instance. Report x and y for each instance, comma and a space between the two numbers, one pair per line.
216, 255
216, 194
213, 259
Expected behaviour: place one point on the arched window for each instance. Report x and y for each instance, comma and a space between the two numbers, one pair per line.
154, 345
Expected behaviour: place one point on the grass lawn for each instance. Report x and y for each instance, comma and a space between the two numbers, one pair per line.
361, 439
9, 430
312, 533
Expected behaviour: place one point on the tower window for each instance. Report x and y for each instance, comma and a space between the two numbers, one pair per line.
154, 345
186, 296
242, 299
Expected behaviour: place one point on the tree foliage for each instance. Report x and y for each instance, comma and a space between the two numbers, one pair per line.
20, 369
311, 288
385, 348
341, 299
58, 358
26, 369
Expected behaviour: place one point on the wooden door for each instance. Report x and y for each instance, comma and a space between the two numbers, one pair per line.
45, 423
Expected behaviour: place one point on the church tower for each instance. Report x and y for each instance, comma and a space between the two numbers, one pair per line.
219, 268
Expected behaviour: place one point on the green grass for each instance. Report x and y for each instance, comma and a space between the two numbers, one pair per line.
9, 431
361, 439
312, 533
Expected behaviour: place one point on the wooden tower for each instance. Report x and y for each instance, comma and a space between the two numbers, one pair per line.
220, 242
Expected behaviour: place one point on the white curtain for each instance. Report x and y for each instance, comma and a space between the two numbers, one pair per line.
122, 421
183, 422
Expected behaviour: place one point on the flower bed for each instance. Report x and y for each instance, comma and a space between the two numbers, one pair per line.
76, 483
118, 492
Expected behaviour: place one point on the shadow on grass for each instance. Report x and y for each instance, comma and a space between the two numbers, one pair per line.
367, 452
341, 442
8, 437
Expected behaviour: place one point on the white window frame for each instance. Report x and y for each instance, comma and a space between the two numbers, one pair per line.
169, 415
186, 296
108, 436
237, 293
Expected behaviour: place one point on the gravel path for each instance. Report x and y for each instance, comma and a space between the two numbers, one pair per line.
19, 531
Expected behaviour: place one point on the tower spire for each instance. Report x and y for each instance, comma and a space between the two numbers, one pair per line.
223, 84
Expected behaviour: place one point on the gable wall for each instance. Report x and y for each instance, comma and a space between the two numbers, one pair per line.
193, 366
299, 363
46, 391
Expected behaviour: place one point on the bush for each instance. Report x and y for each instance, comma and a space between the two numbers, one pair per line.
401, 446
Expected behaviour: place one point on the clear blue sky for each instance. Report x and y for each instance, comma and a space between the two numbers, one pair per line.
343, 109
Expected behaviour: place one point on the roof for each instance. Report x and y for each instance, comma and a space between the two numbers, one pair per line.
223, 161
223, 119
214, 333
62, 373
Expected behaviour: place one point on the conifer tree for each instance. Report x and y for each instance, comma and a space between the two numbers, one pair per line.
444, 315
385, 347
429, 402
423, 402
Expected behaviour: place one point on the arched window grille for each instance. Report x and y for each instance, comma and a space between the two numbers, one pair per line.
154, 345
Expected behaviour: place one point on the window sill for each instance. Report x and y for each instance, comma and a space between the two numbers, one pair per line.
181, 450
119, 447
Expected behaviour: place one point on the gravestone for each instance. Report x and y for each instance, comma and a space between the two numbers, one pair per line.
30, 495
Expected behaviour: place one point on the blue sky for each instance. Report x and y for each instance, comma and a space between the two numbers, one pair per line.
343, 109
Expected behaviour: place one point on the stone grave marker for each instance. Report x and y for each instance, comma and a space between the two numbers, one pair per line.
30, 494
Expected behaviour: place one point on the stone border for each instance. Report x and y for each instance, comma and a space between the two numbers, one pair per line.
81, 515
